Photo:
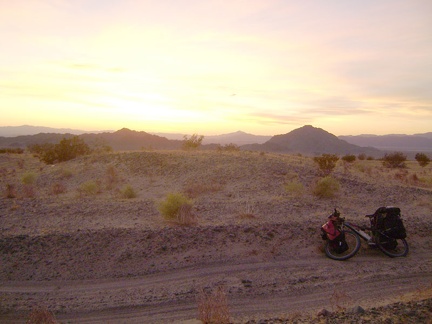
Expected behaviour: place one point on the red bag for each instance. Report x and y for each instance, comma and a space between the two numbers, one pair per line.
331, 231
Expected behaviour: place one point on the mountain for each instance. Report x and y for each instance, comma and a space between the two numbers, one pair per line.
13, 131
406, 143
239, 138
126, 139
121, 140
312, 141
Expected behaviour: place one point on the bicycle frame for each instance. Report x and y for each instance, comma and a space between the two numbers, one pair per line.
359, 230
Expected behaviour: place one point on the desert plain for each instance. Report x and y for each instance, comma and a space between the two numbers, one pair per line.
75, 243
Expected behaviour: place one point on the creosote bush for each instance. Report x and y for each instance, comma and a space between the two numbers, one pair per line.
326, 162
294, 188
326, 187
394, 160
128, 192
88, 188
228, 148
193, 142
422, 159
67, 149
178, 208
29, 178
349, 158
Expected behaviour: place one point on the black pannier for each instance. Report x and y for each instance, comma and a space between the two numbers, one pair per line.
339, 244
388, 220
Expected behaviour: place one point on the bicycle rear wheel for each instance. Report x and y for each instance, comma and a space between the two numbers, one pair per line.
353, 242
392, 247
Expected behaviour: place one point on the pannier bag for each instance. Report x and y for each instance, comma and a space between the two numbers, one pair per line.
388, 220
336, 237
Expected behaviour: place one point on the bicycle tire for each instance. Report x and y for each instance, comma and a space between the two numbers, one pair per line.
353, 241
393, 248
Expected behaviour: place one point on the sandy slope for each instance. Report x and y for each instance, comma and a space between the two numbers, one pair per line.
105, 258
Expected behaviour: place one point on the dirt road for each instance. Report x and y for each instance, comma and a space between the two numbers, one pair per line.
255, 289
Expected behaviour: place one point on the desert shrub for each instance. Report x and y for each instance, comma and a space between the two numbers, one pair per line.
326, 162
10, 191
349, 158
246, 210
41, 316
361, 156
422, 159
11, 151
213, 307
88, 188
66, 174
111, 176
294, 187
326, 187
29, 178
185, 215
171, 206
128, 192
194, 189
228, 148
67, 149
394, 160
58, 188
29, 191
193, 142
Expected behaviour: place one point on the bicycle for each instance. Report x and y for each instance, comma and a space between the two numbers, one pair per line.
347, 242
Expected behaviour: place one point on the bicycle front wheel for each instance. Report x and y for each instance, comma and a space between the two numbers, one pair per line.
353, 244
392, 247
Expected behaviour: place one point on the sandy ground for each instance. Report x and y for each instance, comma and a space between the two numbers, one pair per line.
92, 258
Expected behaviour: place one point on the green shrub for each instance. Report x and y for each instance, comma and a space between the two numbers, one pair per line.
173, 206
326, 162
29, 178
128, 192
294, 187
349, 158
326, 187
394, 160
67, 149
422, 159
228, 148
66, 174
193, 142
89, 188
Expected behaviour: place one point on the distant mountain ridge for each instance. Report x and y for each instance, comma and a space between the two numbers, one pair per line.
306, 140
13, 131
418, 142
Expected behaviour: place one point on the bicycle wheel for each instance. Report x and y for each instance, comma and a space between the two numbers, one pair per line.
392, 247
353, 242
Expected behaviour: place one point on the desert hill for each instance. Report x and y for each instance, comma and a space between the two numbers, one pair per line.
312, 141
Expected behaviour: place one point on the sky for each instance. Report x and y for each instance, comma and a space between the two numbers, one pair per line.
213, 67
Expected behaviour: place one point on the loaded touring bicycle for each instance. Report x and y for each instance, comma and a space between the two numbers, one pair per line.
386, 232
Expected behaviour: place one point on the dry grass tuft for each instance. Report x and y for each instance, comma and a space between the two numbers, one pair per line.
185, 216
41, 316
213, 307
193, 190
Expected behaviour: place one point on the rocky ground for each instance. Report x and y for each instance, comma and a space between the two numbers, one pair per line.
92, 255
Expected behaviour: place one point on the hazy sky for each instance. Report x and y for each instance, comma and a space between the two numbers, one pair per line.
217, 66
